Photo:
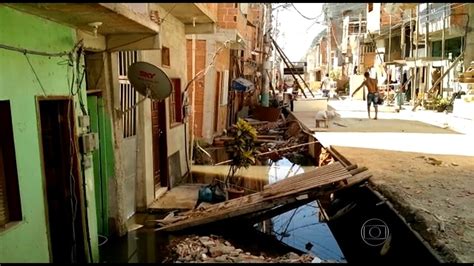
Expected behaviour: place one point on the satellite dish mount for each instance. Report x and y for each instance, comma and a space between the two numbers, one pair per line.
148, 80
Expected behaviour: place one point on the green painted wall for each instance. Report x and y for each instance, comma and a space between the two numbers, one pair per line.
103, 159
28, 241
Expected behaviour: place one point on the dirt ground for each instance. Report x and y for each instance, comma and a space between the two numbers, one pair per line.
436, 196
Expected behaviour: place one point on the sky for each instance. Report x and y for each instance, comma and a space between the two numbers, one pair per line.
295, 32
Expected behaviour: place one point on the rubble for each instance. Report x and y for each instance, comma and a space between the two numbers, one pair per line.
210, 249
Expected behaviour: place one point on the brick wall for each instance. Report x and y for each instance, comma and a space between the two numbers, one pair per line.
458, 20
323, 51
336, 35
227, 15
385, 17
200, 52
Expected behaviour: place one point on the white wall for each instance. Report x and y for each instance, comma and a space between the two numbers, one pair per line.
373, 18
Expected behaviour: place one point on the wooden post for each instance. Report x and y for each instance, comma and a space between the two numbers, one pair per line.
417, 26
389, 39
427, 30
357, 63
443, 42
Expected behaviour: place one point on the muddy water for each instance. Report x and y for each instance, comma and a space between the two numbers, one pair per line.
297, 230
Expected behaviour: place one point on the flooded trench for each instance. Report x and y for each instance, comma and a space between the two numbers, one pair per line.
347, 237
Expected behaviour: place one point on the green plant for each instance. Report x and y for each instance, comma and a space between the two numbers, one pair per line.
241, 148
335, 74
441, 103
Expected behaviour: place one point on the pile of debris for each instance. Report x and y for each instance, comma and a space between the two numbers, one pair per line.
210, 249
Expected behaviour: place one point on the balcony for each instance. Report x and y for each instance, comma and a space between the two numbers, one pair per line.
120, 23
452, 17
198, 18
115, 18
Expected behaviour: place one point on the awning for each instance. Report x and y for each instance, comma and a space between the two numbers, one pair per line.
241, 84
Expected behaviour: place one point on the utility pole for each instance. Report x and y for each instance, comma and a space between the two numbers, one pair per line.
329, 41
275, 66
266, 49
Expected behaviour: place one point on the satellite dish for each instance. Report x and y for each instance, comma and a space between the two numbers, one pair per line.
149, 80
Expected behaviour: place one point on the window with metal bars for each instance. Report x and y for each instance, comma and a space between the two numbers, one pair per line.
128, 95
10, 205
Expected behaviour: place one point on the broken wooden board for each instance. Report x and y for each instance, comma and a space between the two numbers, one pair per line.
291, 190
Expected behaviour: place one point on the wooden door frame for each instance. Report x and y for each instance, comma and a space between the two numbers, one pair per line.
77, 171
164, 167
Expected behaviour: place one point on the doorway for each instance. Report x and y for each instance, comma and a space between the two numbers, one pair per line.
160, 150
62, 180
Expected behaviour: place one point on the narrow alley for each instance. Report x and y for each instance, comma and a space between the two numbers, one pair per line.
236, 133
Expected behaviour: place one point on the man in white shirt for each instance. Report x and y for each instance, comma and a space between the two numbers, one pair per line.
326, 85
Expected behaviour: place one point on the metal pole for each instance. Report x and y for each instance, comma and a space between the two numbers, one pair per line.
266, 47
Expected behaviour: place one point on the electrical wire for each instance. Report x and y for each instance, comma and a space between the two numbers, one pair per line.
72, 184
105, 241
28, 51
163, 19
304, 15
36, 75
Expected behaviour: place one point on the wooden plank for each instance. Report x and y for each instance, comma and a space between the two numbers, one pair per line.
279, 194
300, 181
319, 171
236, 210
306, 183
344, 161
358, 170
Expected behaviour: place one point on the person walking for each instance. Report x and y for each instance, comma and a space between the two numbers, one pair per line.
326, 85
373, 93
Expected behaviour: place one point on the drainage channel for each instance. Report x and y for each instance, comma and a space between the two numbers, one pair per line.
300, 228
361, 228
368, 229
